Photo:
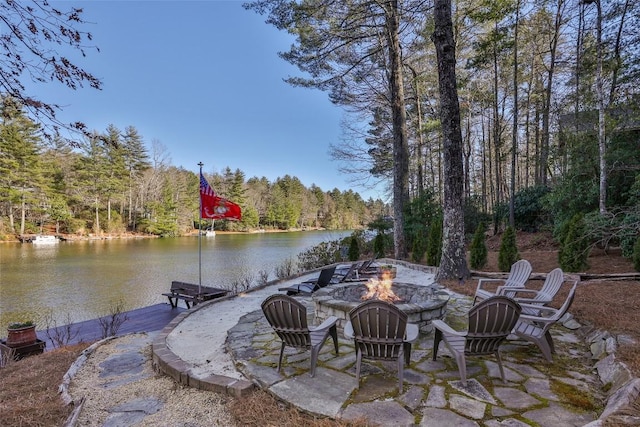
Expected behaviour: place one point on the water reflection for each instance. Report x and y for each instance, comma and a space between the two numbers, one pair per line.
85, 279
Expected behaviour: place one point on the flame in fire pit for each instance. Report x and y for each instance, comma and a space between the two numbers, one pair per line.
381, 289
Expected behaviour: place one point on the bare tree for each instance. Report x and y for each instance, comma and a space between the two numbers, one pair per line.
31, 33
110, 324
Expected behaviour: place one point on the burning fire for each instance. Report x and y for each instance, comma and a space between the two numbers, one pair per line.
381, 289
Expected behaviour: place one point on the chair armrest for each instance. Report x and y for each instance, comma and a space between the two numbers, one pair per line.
537, 296
481, 281
411, 334
329, 322
446, 329
535, 302
348, 330
502, 289
535, 319
544, 313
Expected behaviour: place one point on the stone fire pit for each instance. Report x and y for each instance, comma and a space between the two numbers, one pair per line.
421, 303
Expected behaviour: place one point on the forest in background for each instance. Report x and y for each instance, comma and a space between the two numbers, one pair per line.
112, 183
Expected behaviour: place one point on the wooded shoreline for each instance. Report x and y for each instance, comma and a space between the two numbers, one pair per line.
73, 238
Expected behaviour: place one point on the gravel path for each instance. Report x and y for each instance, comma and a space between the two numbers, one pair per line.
121, 388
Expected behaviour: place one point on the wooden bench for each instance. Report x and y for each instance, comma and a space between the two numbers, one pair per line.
192, 294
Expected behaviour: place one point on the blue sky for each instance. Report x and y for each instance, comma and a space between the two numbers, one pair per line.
204, 79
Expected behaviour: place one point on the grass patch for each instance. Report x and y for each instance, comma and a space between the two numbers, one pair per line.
570, 395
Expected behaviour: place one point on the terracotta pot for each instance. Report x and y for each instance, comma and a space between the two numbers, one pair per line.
21, 336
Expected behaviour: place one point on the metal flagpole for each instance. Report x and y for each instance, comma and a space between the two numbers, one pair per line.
200, 231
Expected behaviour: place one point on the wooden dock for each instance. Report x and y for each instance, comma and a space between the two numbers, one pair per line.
145, 319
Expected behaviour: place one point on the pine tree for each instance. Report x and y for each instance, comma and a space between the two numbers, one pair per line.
378, 245
21, 175
574, 248
354, 249
508, 250
419, 247
478, 256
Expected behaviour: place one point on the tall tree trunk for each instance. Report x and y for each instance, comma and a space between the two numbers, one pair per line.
546, 113
497, 137
468, 151
420, 143
617, 56
400, 142
96, 226
579, 38
527, 126
602, 144
485, 197
12, 222
536, 134
514, 136
453, 263
23, 212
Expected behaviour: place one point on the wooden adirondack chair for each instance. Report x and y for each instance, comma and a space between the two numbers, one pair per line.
517, 278
380, 332
288, 318
535, 327
310, 286
490, 322
544, 296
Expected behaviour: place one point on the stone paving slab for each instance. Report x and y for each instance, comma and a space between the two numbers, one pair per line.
384, 413
324, 394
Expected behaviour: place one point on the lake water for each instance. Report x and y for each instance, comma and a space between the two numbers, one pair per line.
83, 280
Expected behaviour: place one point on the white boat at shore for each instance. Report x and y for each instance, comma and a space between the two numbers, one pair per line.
44, 240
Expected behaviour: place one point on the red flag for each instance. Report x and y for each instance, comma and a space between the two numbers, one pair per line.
214, 207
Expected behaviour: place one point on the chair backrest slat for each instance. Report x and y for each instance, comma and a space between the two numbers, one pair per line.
350, 273
365, 265
288, 318
490, 322
552, 283
519, 273
379, 329
326, 274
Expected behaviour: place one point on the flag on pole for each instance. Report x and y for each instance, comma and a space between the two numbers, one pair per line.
214, 207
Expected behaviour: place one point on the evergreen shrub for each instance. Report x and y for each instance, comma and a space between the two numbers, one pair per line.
478, 249
381, 241
420, 212
474, 214
508, 253
574, 248
419, 248
529, 209
354, 249
322, 254
378, 245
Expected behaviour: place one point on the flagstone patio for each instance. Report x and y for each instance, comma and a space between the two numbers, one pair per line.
227, 346
566, 392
